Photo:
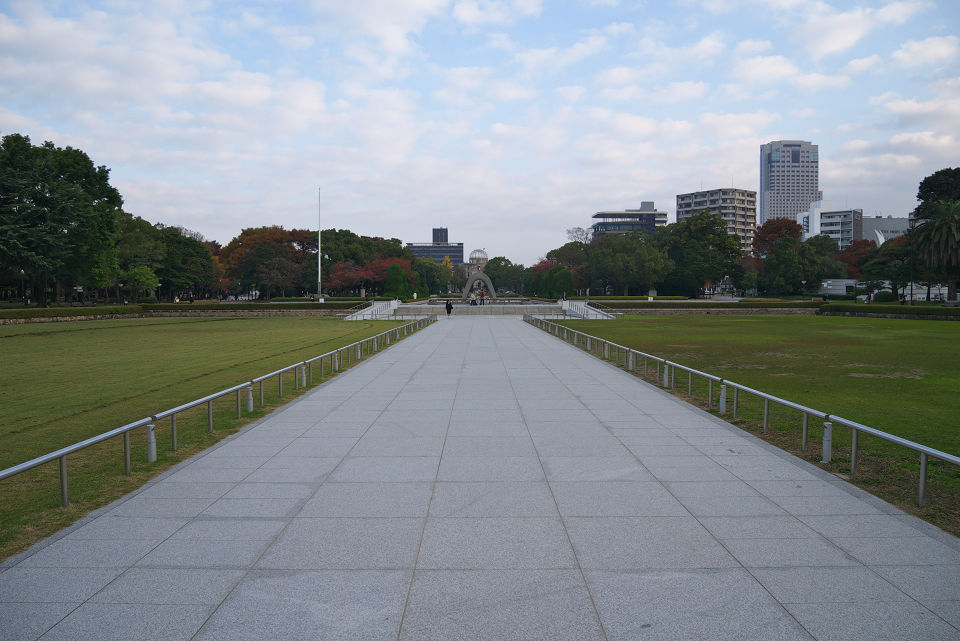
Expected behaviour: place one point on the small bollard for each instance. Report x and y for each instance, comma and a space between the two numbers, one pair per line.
723, 398
827, 441
250, 397
151, 444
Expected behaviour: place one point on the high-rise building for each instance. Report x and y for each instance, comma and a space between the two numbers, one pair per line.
737, 208
646, 218
789, 178
439, 248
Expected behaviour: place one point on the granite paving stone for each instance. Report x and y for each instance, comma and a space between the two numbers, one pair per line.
483, 479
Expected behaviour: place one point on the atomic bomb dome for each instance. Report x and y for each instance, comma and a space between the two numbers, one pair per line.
478, 257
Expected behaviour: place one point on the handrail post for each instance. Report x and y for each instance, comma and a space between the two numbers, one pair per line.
736, 401
922, 495
261, 392
303, 376
710, 394
239, 413
766, 414
666, 374
853, 451
126, 452
64, 497
280, 382
827, 442
151, 444
311, 372
723, 398
210, 416
250, 397
689, 383
173, 431
806, 428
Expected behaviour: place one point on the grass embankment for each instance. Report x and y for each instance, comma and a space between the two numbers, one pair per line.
898, 376
61, 383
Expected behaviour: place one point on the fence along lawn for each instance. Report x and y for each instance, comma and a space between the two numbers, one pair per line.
63, 382
899, 376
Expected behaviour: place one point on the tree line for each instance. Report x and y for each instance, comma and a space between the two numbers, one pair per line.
696, 255
64, 236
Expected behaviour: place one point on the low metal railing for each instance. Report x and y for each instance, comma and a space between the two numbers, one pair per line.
335, 360
666, 373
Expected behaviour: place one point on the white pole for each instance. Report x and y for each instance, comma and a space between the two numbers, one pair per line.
319, 247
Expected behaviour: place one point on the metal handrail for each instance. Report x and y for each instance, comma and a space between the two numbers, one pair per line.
337, 357
629, 359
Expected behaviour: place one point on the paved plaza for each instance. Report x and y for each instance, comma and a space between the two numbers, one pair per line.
484, 480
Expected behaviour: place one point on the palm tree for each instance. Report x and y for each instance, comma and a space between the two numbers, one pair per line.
937, 237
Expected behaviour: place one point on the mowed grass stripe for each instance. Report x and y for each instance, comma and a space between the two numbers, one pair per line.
124, 370
899, 376
63, 382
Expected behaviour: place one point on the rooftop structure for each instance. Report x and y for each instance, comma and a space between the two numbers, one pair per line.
647, 218
439, 248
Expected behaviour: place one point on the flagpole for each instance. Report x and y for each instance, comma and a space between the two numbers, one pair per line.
319, 247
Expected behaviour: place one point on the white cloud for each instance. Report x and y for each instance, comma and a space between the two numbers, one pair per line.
805, 112
764, 69
750, 47
555, 58
480, 12
617, 76
930, 51
860, 65
738, 125
827, 31
570, 93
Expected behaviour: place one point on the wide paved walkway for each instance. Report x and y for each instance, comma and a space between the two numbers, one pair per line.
483, 480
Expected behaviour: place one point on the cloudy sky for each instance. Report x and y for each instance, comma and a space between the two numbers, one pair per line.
507, 121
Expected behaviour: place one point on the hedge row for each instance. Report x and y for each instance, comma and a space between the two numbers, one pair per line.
905, 310
55, 312
186, 308
706, 305
615, 298
231, 307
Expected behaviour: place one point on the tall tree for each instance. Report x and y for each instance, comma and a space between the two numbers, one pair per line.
852, 256
57, 215
937, 238
770, 232
628, 261
701, 250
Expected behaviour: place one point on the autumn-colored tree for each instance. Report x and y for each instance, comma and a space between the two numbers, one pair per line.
854, 255
767, 234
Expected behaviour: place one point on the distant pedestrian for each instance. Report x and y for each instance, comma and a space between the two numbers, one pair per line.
449, 307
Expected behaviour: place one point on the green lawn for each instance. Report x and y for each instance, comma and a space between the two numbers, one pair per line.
63, 382
899, 376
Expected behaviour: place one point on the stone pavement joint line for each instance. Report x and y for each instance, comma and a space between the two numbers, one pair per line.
482, 479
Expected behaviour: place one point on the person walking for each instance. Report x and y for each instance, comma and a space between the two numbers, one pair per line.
449, 307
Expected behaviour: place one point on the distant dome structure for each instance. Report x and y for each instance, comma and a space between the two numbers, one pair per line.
478, 257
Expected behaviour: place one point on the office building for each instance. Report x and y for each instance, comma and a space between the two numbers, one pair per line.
647, 218
844, 226
737, 208
880, 229
439, 249
789, 178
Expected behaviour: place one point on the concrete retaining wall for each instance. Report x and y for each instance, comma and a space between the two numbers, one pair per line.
171, 314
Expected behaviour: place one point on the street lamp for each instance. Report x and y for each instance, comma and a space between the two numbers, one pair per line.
23, 292
803, 290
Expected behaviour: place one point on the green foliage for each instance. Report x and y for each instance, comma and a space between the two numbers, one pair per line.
702, 253
906, 310
396, 284
504, 274
937, 238
57, 215
627, 261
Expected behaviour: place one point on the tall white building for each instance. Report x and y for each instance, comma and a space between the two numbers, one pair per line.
789, 178
737, 208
